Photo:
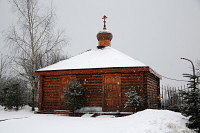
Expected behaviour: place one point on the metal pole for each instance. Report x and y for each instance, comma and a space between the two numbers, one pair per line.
192, 65
193, 75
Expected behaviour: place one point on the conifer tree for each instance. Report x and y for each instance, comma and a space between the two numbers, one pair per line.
74, 97
134, 100
12, 94
191, 105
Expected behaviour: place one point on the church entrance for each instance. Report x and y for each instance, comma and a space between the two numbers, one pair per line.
112, 93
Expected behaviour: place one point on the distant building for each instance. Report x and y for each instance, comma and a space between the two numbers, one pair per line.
106, 73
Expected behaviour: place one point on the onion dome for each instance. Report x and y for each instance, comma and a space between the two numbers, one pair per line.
104, 37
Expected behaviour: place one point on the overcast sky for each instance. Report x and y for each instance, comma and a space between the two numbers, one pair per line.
155, 32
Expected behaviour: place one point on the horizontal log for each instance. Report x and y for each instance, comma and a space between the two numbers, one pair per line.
93, 71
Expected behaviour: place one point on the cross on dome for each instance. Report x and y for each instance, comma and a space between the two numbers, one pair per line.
104, 21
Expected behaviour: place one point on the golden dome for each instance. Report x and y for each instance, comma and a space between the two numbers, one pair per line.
104, 35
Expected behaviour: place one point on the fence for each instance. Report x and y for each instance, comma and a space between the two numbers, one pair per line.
171, 97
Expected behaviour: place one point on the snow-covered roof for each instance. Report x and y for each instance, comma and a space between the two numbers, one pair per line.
97, 58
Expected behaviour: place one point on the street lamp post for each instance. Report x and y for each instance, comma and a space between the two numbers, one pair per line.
192, 65
194, 76
193, 73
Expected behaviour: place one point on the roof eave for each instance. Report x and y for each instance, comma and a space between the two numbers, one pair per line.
155, 73
145, 68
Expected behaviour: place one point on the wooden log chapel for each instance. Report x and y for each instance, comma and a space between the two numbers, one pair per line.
106, 75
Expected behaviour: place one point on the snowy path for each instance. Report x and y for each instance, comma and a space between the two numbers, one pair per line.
147, 121
9, 115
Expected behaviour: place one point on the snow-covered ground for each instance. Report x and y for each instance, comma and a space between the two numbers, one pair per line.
147, 121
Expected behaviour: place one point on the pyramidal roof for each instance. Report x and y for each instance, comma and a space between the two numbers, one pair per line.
106, 57
102, 57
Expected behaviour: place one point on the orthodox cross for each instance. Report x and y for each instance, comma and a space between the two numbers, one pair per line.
104, 21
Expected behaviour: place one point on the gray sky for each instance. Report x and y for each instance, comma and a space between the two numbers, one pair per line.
155, 32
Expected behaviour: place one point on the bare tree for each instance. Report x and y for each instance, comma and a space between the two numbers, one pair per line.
33, 38
3, 65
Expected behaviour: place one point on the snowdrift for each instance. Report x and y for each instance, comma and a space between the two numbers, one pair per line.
147, 121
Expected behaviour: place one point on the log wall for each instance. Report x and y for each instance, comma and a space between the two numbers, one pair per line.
93, 88
51, 93
52, 85
153, 91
